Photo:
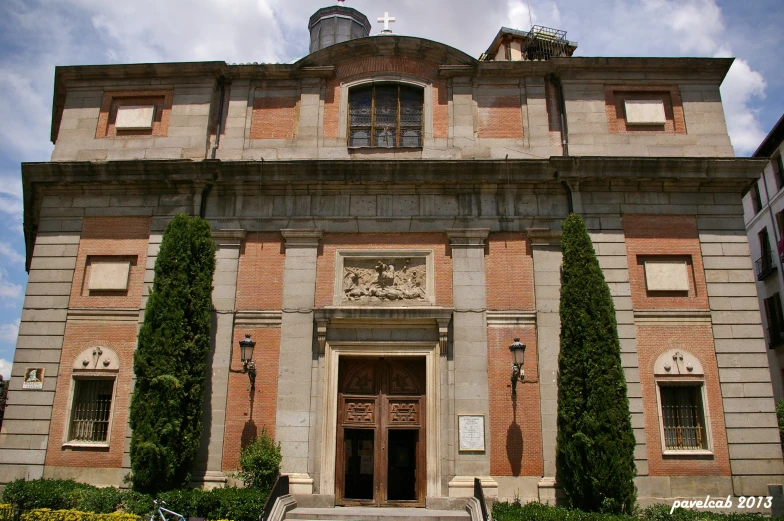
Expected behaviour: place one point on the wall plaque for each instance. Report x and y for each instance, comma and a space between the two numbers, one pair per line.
33, 378
471, 432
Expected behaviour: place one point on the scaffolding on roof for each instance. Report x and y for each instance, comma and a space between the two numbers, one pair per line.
545, 42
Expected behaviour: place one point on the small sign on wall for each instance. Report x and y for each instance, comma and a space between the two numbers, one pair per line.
471, 432
33, 378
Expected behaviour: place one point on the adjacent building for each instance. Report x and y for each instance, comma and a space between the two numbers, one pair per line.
387, 216
763, 212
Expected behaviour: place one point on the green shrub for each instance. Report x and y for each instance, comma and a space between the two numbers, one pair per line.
171, 358
56, 494
595, 444
538, 512
260, 462
236, 504
780, 414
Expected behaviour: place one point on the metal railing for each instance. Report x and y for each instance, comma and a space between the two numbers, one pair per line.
281, 488
480, 496
764, 266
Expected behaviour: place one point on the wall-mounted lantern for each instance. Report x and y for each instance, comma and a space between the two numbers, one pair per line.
518, 359
246, 354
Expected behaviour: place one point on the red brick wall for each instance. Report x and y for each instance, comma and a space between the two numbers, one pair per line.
509, 272
325, 267
697, 340
515, 428
105, 237
162, 99
501, 116
614, 96
274, 118
121, 338
366, 67
665, 237
260, 276
247, 412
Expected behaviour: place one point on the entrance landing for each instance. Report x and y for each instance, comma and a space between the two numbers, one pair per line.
376, 514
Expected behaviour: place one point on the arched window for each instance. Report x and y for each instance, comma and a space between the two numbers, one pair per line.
385, 115
92, 392
683, 413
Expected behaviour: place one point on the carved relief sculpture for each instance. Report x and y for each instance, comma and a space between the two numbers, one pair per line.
384, 281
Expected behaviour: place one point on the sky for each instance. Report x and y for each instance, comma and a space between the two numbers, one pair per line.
37, 35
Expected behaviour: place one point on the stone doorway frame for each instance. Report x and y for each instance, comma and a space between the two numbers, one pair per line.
431, 352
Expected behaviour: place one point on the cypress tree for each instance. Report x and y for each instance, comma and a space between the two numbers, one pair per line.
171, 357
595, 446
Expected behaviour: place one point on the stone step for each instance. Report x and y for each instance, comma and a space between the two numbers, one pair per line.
376, 514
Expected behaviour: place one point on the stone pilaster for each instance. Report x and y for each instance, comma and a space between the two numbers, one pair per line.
26, 424
297, 353
546, 250
208, 471
469, 326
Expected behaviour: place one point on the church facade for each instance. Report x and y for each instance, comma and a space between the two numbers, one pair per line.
387, 216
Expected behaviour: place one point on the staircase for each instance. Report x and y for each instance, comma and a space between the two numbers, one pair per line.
376, 514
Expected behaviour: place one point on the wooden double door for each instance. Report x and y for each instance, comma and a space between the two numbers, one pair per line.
381, 432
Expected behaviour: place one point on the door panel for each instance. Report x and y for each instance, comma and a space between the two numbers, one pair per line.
380, 438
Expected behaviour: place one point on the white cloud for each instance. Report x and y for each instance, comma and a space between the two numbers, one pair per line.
741, 89
9, 332
10, 293
7, 251
522, 14
5, 368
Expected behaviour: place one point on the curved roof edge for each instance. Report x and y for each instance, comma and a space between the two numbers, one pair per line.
388, 45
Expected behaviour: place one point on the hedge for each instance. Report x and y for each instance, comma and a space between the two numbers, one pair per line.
539, 512
46, 514
237, 504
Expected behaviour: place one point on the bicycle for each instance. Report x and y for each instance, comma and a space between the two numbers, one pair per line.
174, 516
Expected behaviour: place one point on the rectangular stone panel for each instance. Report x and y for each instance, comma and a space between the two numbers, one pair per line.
134, 117
645, 112
666, 276
109, 276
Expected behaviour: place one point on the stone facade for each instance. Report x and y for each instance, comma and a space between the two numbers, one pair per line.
445, 252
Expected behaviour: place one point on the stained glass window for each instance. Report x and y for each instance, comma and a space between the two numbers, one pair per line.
385, 115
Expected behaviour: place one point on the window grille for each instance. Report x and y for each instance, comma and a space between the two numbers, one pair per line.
91, 409
385, 116
683, 418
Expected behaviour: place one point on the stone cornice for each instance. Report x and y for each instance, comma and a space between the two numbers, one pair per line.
467, 237
252, 319
302, 238
671, 317
103, 314
511, 318
228, 237
544, 236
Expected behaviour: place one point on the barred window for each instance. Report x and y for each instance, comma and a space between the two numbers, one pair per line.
385, 115
91, 410
683, 417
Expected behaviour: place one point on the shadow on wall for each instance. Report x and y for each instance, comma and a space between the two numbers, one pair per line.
514, 444
249, 433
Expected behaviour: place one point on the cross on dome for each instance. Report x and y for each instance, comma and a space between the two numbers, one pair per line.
341, 2
386, 20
